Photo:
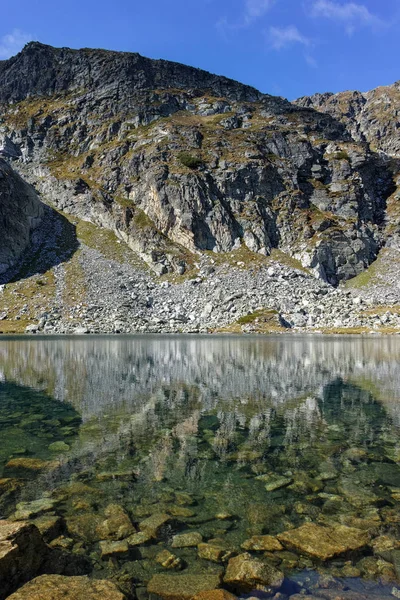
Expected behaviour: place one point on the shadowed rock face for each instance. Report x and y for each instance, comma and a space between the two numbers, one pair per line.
20, 213
177, 160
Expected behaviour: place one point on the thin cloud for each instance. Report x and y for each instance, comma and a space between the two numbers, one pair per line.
282, 37
351, 14
12, 43
255, 9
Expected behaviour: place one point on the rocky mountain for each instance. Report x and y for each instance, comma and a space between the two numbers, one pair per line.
201, 177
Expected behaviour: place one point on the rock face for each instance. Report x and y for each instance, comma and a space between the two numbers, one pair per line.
324, 543
20, 213
178, 161
57, 587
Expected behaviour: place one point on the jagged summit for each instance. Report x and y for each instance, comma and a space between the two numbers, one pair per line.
43, 70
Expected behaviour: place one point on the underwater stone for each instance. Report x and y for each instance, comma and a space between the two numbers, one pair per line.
324, 542
153, 524
266, 543
84, 527
114, 549
247, 573
215, 595
24, 467
28, 510
187, 540
166, 559
57, 587
118, 524
139, 538
181, 587
213, 552
274, 482
58, 447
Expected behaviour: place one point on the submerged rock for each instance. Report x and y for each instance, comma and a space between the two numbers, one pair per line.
214, 552
118, 524
324, 543
29, 510
154, 524
266, 543
26, 467
187, 540
57, 587
181, 587
215, 595
247, 573
166, 559
114, 549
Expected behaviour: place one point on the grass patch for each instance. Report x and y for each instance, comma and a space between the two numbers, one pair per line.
189, 161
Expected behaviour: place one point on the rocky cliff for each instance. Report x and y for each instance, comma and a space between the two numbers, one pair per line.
20, 213
191, 170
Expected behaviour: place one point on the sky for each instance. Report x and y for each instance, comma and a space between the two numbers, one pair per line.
289, 48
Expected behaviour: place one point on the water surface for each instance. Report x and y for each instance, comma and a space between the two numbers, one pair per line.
230, 437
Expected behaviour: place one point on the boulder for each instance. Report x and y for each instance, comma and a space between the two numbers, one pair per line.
57, 587
181, 587
324, 543
22, 551
246, 573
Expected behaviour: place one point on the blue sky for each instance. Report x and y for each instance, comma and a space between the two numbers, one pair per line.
284, 47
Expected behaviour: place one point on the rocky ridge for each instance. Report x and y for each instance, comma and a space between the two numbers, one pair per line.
215, 189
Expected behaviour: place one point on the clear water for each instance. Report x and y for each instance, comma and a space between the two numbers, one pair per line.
197, 428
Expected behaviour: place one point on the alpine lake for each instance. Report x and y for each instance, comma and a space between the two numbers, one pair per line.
263, 466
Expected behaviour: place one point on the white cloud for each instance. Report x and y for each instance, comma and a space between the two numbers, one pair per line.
349, 13
281, 37
12, 43
254, 9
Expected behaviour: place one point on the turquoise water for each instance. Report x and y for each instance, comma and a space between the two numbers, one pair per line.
226, 437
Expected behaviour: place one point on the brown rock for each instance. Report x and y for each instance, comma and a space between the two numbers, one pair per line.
153, 525
187, 540
215, 595
57, 587
324, 542
84, 527
114, 549
117, 526
22, 551
181, 587
25, 467
214, 552
166, 559
246, 573
262, 543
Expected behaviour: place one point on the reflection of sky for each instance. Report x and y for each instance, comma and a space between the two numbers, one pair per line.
94, 373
